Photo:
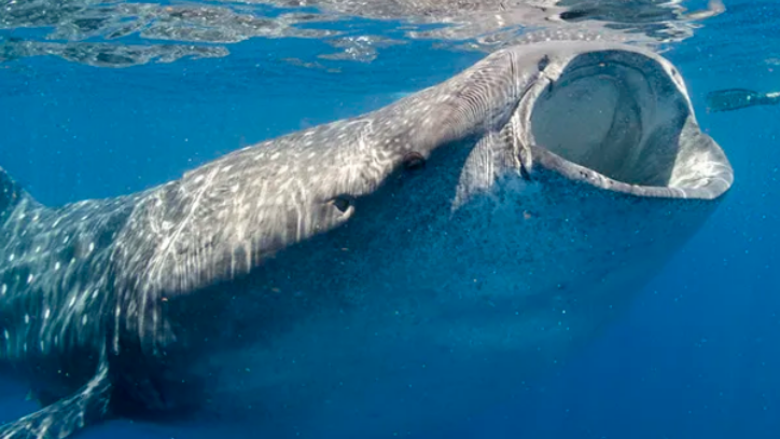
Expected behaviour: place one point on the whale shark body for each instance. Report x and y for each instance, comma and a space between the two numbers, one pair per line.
370, 271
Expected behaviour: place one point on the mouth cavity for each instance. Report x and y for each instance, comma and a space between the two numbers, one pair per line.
617, 119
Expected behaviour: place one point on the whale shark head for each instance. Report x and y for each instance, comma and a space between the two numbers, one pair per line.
615, 119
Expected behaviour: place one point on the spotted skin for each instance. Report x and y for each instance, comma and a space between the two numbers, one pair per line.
55, 296
107, 305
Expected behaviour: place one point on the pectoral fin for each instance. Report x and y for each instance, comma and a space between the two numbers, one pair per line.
67, 415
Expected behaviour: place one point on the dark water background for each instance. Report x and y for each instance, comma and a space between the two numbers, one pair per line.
697, 357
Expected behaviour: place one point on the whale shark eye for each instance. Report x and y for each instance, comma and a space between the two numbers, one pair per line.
342, 203
576, 14
414, 161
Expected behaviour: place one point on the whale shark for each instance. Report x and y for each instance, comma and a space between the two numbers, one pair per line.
364, 275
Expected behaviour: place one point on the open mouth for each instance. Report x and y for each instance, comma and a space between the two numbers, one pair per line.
619, 120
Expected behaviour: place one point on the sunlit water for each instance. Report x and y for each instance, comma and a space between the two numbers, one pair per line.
697, 356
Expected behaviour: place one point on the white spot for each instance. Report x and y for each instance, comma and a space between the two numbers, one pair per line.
6, 334
30, 278
72, 302
4, 289
57, 266
11, 258
94, 294
25, 346
66, 239
38, 249
84, 320
91, 246
46, 313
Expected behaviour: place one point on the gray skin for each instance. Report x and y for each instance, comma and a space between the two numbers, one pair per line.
462, 239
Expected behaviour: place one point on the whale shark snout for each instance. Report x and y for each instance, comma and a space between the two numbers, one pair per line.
625, 120
619, 120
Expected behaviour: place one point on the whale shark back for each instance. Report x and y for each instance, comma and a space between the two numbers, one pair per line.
56, 293
56, 290
10, 193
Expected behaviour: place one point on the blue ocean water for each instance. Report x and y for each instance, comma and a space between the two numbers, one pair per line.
697, 356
